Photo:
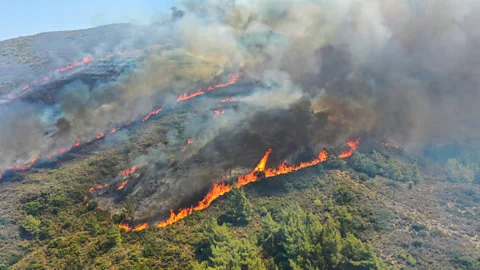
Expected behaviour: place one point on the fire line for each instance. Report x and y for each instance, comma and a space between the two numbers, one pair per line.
232, 80
259, 172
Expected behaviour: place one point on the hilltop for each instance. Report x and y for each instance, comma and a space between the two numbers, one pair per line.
29, 58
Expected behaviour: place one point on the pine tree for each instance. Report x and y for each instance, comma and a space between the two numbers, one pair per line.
242, 210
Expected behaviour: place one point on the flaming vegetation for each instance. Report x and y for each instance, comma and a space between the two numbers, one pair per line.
259, 172
232, 80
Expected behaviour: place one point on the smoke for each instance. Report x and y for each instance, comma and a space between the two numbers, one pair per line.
327, 71
330, 71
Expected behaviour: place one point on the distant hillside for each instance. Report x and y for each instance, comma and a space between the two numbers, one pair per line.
29, 58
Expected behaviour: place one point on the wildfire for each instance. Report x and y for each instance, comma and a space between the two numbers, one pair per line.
219, 112
393, 146
97, 188
89, 59
122, 185
150, 114
232, 79
128, 171
190, 141
217, 191
189, 96
137, 228
125, 226
353, 146
260, 171
228, 99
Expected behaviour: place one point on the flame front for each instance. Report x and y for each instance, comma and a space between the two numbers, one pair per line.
122, 185
150, 114
233, 78
217, 191
125, 226
260, 171
353, 146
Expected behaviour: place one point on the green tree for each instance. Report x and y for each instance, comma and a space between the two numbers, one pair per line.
30, 227
331, 242
344, 195
242, 210
230, 252
355, 255
113, 236
300, 240
458, 173
270, 230
91, 226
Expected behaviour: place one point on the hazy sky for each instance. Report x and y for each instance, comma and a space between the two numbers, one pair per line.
28, 17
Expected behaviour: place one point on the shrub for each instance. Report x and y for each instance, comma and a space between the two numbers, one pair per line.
344, 195
30, 227
458, 173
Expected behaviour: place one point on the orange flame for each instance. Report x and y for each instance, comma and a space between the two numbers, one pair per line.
150, 114
233, 79
353, 146
188, 142
125, 226
89, 59
128, 171
140, 227
122, 185
253, 175
217, 191
189, 96
284, 169
218, 112
221, 189
97, 188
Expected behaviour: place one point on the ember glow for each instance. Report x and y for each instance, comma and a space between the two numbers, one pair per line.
260, 171
228, 99
190, 141
219, 112
353, 146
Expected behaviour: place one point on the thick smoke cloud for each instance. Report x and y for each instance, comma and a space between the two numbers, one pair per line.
403, 67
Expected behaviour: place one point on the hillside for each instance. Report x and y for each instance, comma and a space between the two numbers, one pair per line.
39, 55
299, 135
